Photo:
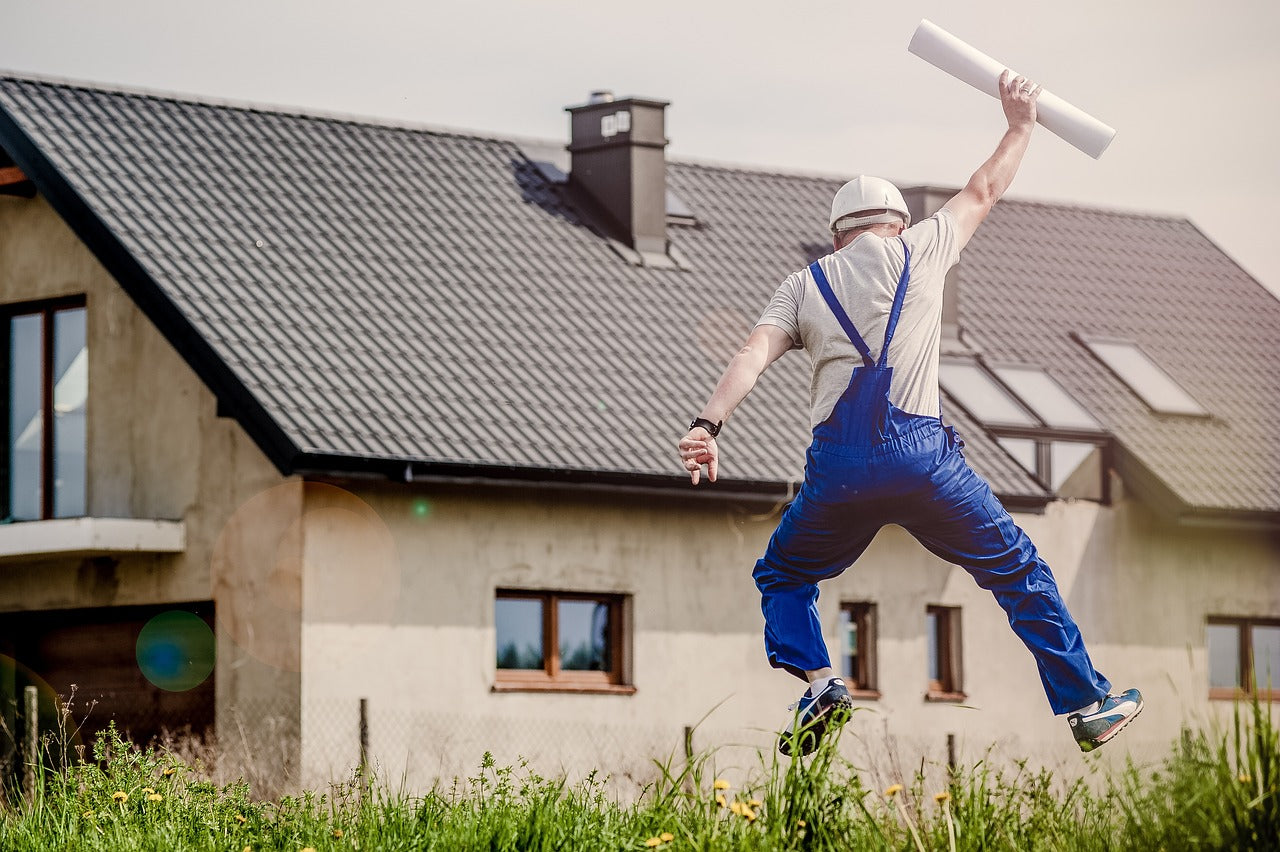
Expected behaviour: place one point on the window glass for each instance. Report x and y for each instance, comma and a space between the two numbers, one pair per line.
849, 642
584, 635
980, 395
518, 623
1224, 656
1144, 377
26, 416
1064, 458
1023, 450
1266, 656
931, 639
1046, 397
70, 390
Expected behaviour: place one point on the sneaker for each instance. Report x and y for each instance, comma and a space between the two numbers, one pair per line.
1093, 729
812, 715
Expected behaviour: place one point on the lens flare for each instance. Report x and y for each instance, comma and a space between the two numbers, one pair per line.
175, 650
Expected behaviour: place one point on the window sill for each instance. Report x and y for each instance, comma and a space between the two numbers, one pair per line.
580, 688
1233, 694
945, 697
864, 694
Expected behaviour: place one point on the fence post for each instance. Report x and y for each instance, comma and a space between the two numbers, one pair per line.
364, 746
30, 741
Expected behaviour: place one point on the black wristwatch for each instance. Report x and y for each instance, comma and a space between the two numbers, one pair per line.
713, 428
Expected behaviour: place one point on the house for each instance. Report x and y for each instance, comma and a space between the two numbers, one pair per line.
350, 440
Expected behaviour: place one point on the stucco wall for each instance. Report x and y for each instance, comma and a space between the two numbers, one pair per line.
157, 449
1140, 589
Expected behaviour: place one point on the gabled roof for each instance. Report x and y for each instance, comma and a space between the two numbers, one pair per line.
371, 297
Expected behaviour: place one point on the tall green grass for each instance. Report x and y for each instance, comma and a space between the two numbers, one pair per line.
1217, 789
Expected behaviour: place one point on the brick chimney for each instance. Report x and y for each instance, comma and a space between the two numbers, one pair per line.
616, 159
923, 202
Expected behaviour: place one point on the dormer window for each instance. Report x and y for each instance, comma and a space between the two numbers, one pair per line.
1144, 376
46, 385
1033, 418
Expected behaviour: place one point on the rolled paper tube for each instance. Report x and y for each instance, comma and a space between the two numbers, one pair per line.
941, 49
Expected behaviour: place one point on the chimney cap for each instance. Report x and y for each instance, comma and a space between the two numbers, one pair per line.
600, 96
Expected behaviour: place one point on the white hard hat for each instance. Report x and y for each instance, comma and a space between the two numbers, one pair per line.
870, 195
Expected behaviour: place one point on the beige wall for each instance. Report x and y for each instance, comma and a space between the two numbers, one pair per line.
157, 449
1140, 589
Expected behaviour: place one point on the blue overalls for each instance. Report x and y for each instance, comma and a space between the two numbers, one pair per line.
872, 464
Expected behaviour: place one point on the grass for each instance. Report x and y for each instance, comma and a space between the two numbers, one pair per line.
1215, 790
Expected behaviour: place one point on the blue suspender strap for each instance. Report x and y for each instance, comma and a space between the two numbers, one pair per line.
896, 311
824, 287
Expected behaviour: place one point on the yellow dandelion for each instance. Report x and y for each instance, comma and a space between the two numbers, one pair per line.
893, 791
120, 796
168, 770
721, 784
147, 790
337, 834
736, 807
247, 849
942, 797
749, 814
240, 818
800, 823
308, 849
155, 797
755, 803
666, 837
652, 842
1244, 778
88, 814
720, 800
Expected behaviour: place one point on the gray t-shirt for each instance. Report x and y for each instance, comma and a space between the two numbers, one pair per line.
864, 275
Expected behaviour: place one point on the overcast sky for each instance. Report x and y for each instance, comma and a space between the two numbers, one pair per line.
1192, 87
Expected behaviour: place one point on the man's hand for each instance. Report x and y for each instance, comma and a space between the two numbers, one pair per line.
1018, 97
696, 449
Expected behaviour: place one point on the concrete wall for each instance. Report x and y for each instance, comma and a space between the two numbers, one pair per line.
1140, 589
157, 449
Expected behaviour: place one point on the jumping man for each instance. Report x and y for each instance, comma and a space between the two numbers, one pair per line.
880, 452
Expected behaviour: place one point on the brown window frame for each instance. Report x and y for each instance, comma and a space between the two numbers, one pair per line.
552, 678
862, 683
1247, 687
949, 685
45, 309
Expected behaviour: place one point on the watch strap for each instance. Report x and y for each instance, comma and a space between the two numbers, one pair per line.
713, 428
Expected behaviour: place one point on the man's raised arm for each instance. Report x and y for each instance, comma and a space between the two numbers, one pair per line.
971, 205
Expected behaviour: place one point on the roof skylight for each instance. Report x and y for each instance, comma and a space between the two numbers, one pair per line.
1144, 377
981, 396
1046, 398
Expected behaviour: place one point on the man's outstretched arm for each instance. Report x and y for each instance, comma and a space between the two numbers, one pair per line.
971, 205
764, 346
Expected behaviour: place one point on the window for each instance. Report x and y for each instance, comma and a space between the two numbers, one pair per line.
1046, 398
1144, 377
1034, 419
559, 640
47, 383
858, 647
1244, 657
981, 396
942, 639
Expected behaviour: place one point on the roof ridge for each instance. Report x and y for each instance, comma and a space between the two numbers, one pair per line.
360, 119
284, 110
